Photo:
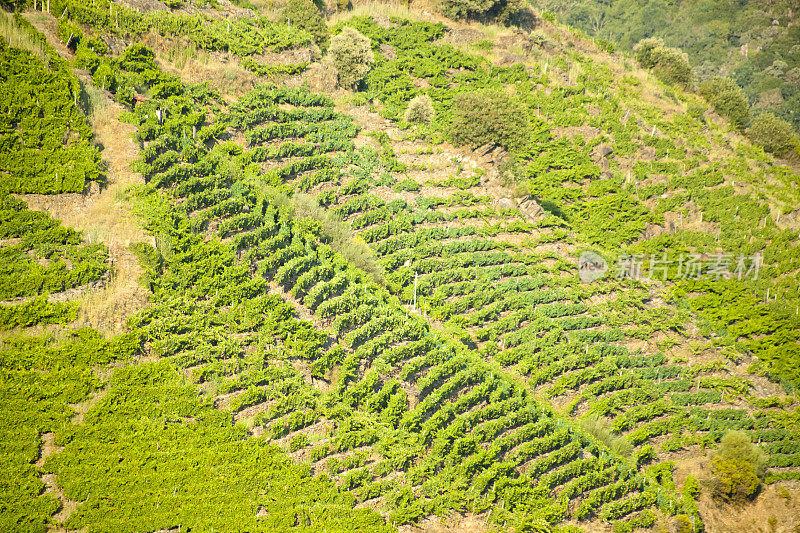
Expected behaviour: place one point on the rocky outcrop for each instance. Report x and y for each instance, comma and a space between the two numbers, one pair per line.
490, 153
382, 20
321, 77
145, 5
463, 35
529, 208
603, 150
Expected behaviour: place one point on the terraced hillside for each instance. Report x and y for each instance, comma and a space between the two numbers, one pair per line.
396, 328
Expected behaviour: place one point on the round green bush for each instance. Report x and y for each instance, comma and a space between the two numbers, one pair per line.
489, 116
738, 467
420, 110
773, 133
670, 65
351, 54
727, 99
303, 14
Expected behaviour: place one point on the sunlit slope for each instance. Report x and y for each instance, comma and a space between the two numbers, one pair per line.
448, 356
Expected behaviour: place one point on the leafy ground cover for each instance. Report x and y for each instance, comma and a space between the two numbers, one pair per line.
45, 141
449, 358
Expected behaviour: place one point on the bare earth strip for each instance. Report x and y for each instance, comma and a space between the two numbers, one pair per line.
103, 215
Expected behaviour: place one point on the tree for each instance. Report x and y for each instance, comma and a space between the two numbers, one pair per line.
670, 65
738, 468
303, 14
489, 116
420, 110
773, 133
727, 99
351, 54
502, 11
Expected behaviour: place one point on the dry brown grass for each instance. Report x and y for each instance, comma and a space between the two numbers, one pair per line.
222, 71
18, 37
105, 216
108, 219
419, 10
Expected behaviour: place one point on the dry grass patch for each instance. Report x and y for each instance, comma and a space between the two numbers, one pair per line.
223, 71
16, 36
105, 216
419, 10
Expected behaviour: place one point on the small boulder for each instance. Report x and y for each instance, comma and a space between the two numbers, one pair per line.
382, 20
509, 60
603, 150
483, 151
388, 51
530, 208
498, 154
506, 203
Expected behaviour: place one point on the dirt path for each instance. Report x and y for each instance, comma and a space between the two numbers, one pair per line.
49, 448
103, 214
52, 488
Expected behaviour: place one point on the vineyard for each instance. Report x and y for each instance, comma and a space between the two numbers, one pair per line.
434, 414
41, 257
45, 143
351, 306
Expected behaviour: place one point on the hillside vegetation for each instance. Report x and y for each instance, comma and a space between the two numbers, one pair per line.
753, 43
369, 304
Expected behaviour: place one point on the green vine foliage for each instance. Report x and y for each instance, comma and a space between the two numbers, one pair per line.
426, 418
243, 36
40, 378
37, 311
45, 257
45, 141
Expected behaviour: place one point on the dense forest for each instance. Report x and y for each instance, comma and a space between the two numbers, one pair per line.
319, 268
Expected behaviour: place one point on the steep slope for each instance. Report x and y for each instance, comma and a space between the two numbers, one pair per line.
456, 367
753, 43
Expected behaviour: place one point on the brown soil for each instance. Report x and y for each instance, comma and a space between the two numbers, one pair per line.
770, 512
452, 524
103, 213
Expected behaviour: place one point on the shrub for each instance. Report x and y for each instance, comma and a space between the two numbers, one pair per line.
407, 184
299, 441
420, 110
773, 133
670, 65
137, 58
738, 468
106, 77
351, 54
643, 51
682, 524
483, 117
691, 487
697, 111
727, 99
605, 45
502, 11
303, 14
